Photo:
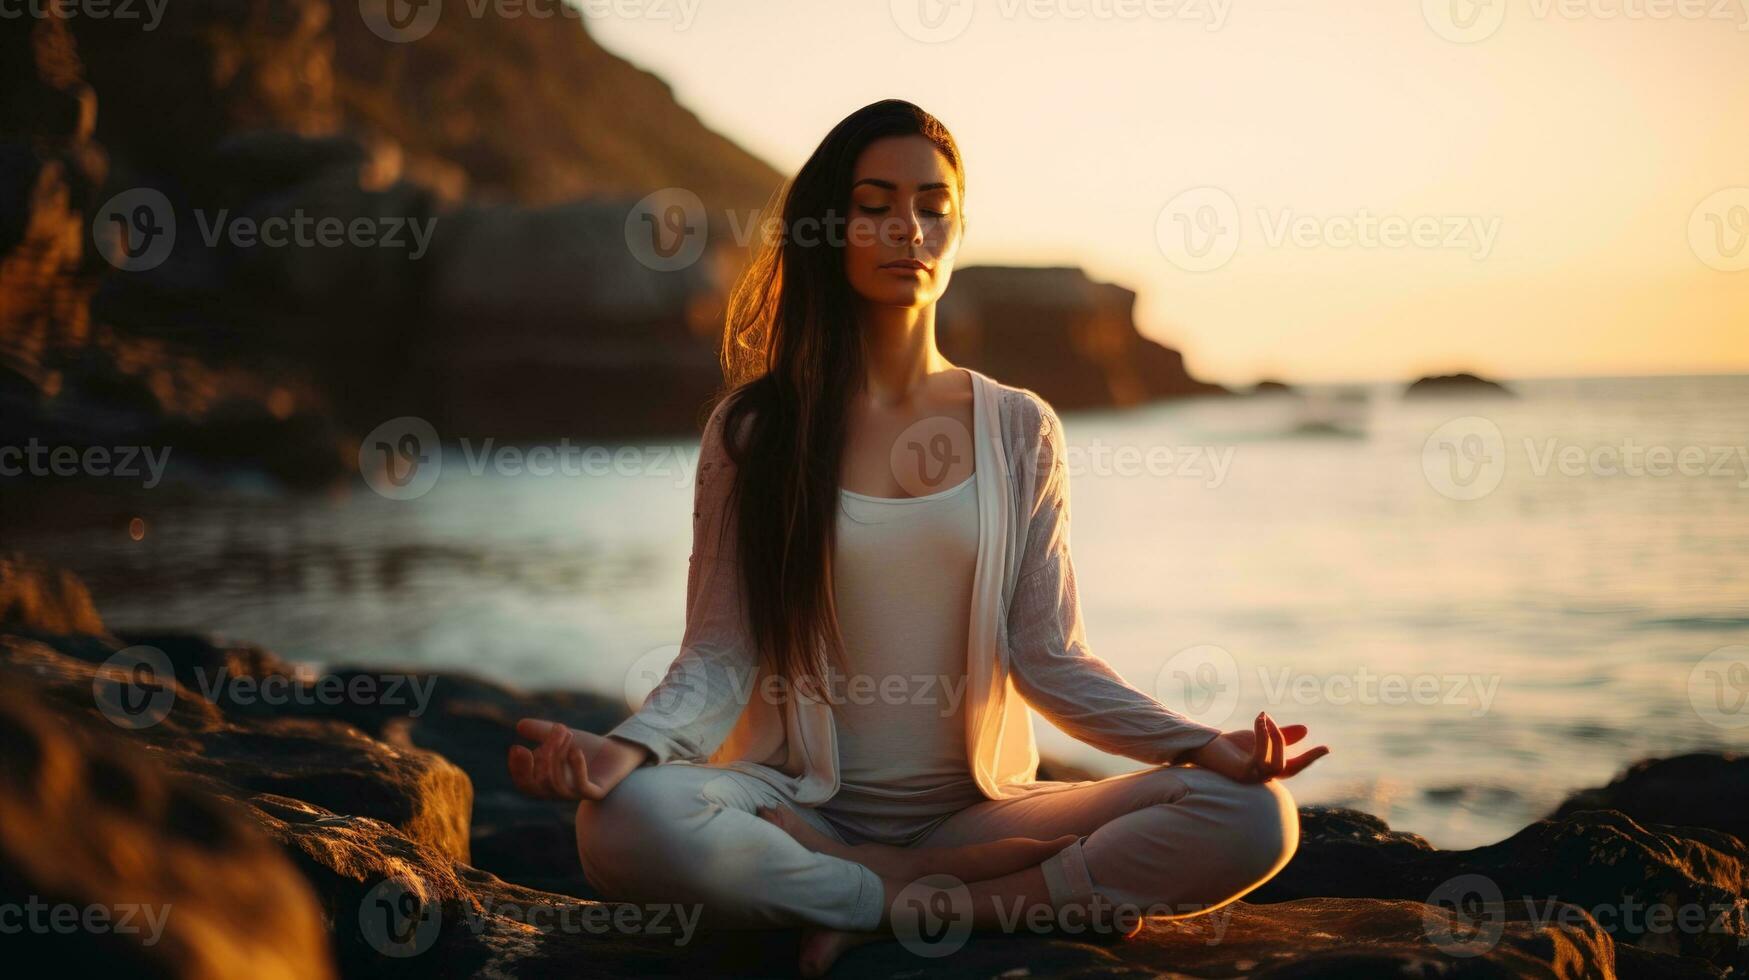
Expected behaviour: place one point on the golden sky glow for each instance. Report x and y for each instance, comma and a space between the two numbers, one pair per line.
1557, 153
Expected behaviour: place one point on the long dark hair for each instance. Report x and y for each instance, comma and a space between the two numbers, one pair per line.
792, 355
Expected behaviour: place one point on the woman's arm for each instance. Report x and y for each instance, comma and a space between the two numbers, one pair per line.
1052, 666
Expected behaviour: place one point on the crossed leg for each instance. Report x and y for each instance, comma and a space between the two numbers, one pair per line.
1170, 841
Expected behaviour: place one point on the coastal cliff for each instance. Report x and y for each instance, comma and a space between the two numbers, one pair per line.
517, 281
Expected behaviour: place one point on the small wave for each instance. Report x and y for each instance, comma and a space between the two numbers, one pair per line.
1695, 623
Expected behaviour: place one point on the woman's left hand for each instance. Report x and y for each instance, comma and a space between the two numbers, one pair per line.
1256, 755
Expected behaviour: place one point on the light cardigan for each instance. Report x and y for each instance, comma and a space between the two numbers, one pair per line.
717, 705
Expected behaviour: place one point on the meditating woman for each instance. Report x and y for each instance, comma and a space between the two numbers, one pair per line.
880, 585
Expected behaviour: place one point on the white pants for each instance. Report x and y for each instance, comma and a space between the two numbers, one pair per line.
1178, 838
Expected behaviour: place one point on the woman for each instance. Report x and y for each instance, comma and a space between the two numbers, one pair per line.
884, 522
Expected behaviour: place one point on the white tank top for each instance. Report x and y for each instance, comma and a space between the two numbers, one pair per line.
903, 570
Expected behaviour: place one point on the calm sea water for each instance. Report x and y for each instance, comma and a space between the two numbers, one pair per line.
1470, 654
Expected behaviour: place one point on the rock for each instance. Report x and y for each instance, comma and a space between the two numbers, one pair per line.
324, 761
1273, 387
168, 880
1464, 384
1599, 860
415, 875
40, 599
1054, 330
1700, 789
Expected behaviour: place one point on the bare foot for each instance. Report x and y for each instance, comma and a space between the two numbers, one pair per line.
822, 947
969, 862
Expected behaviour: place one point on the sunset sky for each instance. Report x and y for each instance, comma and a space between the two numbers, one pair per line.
1559, 156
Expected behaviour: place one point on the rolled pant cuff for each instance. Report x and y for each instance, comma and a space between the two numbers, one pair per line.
1066, 876
869, 898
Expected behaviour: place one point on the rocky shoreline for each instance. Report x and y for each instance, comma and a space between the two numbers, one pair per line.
273, 822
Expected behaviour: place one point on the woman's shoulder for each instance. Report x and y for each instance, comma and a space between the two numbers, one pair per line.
1029, 414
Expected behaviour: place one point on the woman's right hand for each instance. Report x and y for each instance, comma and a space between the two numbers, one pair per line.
569, 764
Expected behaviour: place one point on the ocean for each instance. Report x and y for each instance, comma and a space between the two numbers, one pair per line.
1480, 604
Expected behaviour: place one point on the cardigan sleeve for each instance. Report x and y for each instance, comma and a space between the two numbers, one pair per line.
1052, 667
696, 704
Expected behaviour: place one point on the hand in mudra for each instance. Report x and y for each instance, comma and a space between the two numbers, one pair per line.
557, 768
1256, 755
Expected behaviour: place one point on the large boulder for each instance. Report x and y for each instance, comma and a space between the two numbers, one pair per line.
1699, 789
162, 878
1669, 890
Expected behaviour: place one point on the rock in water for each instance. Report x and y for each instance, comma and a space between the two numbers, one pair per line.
1460, 384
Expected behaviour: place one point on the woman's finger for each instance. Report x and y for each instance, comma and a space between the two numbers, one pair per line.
546, 761
521, 763
1260, 748
1277, 748
534, 729
1293, 733
580, 772
1306, 758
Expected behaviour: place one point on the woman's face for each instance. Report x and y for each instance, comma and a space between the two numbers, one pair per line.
904, 213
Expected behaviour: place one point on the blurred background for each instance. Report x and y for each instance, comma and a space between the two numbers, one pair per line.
1401, 347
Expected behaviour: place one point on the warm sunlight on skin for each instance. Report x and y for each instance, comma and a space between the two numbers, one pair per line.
905, 226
